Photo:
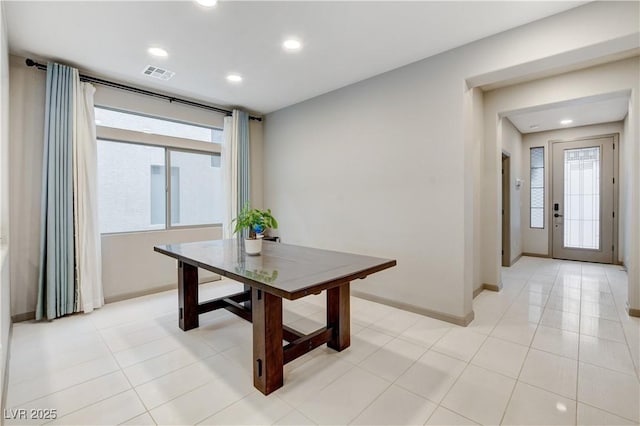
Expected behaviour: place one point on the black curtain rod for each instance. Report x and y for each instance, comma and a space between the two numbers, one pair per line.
89, 79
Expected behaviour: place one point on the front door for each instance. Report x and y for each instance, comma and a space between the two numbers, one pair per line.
582, 206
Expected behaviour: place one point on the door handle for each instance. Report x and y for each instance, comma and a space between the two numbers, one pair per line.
557, 215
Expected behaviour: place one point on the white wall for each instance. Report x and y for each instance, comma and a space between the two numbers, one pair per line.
385, 166
512, 144
626, 197
536, 241
130, 266
632, 139
363, 170
475, 144
5, 276
27, 96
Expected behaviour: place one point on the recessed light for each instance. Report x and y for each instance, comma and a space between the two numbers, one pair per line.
207, 3
158, 51
534, 126
234, 78
567, 121
292, 44
561, 407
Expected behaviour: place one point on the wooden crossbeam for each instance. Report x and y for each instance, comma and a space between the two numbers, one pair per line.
223, 302
238, 309
299, 343
301, 346
290, 335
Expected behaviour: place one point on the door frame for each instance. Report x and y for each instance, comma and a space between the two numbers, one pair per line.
505, 165
616, 189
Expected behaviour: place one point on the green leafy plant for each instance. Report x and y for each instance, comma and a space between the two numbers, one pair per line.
257, 221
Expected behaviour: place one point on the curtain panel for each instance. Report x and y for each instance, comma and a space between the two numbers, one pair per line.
87, 242
236, 168
70, 264
56, 287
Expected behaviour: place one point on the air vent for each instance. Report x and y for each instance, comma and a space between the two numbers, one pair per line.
158, 73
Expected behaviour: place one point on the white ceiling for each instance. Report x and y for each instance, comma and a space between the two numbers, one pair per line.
583, 111
344, 42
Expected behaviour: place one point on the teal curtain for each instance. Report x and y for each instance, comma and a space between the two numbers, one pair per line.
56, 290
241, 119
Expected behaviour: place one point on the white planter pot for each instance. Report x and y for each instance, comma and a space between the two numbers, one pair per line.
253, 247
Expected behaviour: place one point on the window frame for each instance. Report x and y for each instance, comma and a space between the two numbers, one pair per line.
161, 118
169, 144
543, 187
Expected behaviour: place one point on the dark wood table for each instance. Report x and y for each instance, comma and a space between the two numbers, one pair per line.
281, 271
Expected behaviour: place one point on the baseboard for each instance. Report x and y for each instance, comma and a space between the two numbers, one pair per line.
133, 295
491, 287
634, 312
544, 256
27, 316
463, 321
516, 259
485, 286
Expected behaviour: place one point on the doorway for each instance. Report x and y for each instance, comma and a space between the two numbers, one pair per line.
584, 199
506, 211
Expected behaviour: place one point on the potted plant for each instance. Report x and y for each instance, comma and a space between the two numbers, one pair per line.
257, 221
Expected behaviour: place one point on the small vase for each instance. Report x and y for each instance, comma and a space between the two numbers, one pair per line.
253, 247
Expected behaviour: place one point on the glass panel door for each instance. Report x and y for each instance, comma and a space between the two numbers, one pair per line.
582, 198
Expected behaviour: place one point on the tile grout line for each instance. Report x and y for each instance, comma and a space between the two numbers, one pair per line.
448, 409
371, 403
606, 411
476, 352
89, 405
357, 366
223, 408
493, 328
112, 372
394, 382
624, 334
70, 386
22, 381
128, 381
513, 389
575, 418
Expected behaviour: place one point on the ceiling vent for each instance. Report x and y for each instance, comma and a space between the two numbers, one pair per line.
158, 73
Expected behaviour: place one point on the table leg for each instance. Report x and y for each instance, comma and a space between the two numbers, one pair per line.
338, 317
247, 304
268, 353
187, 296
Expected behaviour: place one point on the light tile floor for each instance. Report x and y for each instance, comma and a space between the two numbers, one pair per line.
555, 346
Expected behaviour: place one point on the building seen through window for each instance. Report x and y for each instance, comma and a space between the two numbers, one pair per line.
134, 192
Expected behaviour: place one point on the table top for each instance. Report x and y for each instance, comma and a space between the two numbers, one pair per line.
285, 270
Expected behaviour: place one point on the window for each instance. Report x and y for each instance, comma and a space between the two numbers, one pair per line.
537, 187
134, 192
158, 203
141, 123
197, 200
582, 198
